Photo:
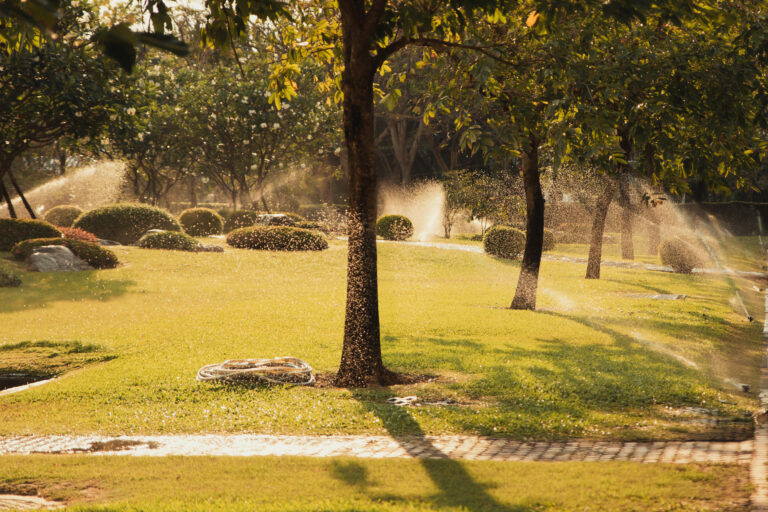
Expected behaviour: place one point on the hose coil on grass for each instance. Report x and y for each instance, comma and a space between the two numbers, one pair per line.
280, 370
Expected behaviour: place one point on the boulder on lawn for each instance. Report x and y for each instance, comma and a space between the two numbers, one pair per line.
56, 258
209, 248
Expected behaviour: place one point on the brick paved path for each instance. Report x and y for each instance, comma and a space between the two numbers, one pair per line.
454, 447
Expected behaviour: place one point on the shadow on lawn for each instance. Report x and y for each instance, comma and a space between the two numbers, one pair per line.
555, 388
39, 289
456, 487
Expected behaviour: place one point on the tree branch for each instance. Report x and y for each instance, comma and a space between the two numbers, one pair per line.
384, 53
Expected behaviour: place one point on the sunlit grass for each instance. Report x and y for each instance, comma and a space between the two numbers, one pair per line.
336, 485
595, 361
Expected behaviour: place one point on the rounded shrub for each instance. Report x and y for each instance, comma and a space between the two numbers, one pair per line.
277, 238
63, 215
79, 234
549, 240
679, 254
240, 219
504, 241
13, 231
96, 256
394, 227
316, 226
201, 222
295, 217
171, 240
125, 223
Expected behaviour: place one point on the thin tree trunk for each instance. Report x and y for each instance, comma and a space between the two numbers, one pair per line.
598, 227
7, 197
361, 362
627, 244
21, 195
654, 236
192, 192
527, 283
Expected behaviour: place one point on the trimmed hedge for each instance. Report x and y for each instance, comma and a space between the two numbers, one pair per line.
171, 240
549, 240
63, 215
240, 219
680, 255
201, 222
79, 234
316, 226
7, 278
96, 256
13, 231
125, 223
394, 227
277, 238
504, 242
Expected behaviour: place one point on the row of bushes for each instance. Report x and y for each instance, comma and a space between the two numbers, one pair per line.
96, 256
509, 242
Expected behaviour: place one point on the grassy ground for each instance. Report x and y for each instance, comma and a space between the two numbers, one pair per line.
597, 360
302, 484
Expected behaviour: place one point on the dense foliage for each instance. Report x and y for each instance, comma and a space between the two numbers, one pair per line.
78, 234
504, 242
63, 215
13, 231
394, 227
277, 238
125, 223
549, 240
240, 219
201, 222
679, 254
96, 256
171, 240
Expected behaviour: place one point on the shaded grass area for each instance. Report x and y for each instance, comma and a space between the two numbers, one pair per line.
45, 359
596, 360
341, 484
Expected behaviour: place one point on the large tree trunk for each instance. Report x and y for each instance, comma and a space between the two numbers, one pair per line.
361, 362
21, 195
7, 198
627, 244
527, 283
598, 227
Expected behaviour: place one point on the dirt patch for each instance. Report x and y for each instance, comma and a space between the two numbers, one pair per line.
327, 379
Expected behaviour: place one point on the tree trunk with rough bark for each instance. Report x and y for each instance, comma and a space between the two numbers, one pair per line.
7, 198
598, 227
627, 243
21, 195
527, 283
361, 362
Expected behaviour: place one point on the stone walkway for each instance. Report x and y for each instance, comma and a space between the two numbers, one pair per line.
14, 502
380, 447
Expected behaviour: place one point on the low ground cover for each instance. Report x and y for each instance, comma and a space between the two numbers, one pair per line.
600, 359
346, 485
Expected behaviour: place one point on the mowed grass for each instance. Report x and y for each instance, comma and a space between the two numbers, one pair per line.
347, 485
597, 360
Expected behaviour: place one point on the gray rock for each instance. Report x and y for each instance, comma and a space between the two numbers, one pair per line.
108, 242
209, 248
56, 258
151, 231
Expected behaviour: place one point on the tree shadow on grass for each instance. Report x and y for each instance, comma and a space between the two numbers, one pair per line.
557, 388
39, 289
456, 486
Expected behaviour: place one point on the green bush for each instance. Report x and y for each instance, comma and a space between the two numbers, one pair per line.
549, 240
504, 241
394, 227
225, 212
96, 256
295, 217
679, 254
63, 215
473, 237
8, 279
13, 231
316, 226
240, 219
171, 240
201, 222
277, 238
125, 223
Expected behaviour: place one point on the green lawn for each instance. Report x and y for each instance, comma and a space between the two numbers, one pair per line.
347, 485
596, 360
